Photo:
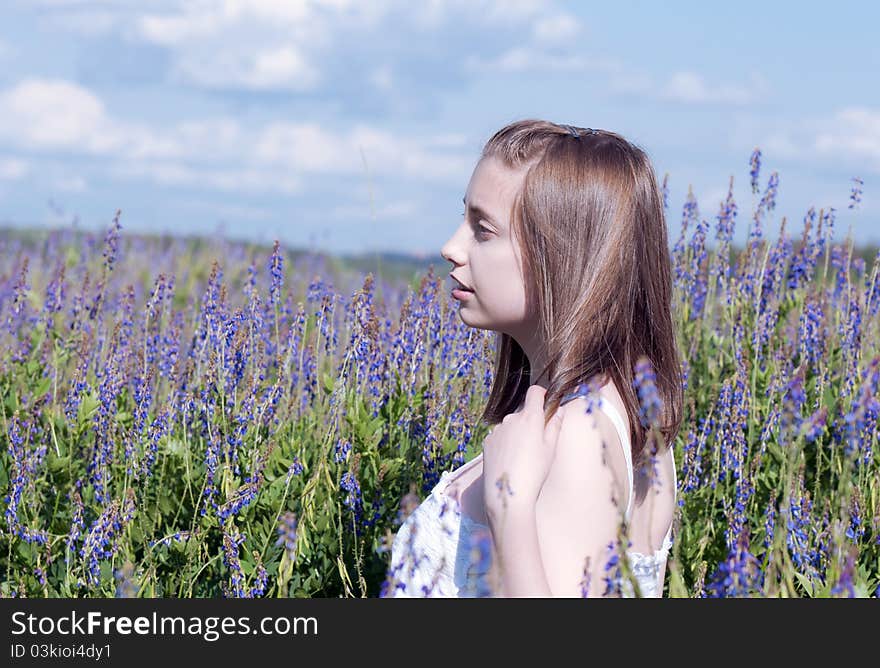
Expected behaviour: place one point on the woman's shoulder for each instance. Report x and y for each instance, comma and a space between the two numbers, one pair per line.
589, 440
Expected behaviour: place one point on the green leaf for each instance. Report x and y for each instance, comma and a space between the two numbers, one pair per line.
805, 582
43, 387
774, 449
175, 446
56, 463
88, 406
137, 534
166, 505
24, 550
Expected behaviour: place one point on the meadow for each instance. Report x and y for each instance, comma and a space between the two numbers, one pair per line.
201, 417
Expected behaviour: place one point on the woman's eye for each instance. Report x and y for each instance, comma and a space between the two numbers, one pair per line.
483, 231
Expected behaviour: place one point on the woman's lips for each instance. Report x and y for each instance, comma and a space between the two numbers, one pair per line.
457, 284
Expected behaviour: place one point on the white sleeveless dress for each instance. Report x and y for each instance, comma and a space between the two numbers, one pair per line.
436, 551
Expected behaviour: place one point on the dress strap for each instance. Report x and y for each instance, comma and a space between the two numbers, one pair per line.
614, 414
674, 479
620, 425
615, 417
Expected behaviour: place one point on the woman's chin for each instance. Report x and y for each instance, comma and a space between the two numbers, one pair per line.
466, 317
468, 320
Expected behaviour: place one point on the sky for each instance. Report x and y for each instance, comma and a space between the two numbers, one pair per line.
354, 127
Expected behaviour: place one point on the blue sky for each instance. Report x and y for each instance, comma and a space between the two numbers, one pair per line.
355, 126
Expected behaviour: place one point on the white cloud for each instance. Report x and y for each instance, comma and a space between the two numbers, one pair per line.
298, 19
53, 115
12, 169
90, 18
175, 29
234, 211
510, 10
691, 88
557, 28
434, 13
60, 115
710, 202
239, 180
277, 68
88, 23
304, 146
50, 113
389, 153
526, 58
382, 78
283, 44
852, 133
362, 211
309, 147
855, 131
254, 44
286, 45
250, 44
780, 144
87, 4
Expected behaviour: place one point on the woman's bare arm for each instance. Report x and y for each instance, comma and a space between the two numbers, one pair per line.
542, 547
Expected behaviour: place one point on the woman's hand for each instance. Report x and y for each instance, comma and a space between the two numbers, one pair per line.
517, 455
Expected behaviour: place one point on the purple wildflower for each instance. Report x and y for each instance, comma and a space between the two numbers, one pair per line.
767, 203
650, 402
232, 538
276, 271
844, 584
479, 563
295, 468
26, 460
755, 168
287, 533
613, 573
341, 450
102, 540
352, 500
126, 587
815, 424
739, 575
240, 499
770, 523
856, 194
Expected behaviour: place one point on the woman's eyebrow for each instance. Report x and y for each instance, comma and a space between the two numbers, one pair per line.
480, 211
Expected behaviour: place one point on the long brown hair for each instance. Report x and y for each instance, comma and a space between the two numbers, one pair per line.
590, 224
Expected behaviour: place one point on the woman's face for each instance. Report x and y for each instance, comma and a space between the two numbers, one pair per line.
485, 255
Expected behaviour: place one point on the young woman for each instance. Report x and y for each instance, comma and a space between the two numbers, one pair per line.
562, 251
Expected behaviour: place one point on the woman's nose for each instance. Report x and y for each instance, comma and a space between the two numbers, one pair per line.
451, 250
448, 252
